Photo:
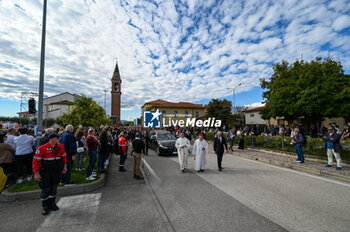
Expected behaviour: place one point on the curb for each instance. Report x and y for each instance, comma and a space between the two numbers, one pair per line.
35, 194
289, 154
294, 167
6, 196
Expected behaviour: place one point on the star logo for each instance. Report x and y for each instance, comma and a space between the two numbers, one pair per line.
155, 115
151, 119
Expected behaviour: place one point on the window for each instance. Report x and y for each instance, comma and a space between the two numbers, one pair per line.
175, 113
163, 113
197, 114
186, 114
252, 115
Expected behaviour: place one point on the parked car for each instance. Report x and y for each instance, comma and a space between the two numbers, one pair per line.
163, 142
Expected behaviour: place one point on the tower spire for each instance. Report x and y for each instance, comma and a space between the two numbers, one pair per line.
116, 74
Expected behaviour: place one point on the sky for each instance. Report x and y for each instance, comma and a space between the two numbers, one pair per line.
189, 50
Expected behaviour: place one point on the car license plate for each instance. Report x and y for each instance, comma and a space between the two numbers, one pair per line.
175, 153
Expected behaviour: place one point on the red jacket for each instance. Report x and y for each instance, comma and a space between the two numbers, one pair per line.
123, 143
47, 152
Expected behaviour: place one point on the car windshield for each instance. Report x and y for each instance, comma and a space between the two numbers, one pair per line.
165, 136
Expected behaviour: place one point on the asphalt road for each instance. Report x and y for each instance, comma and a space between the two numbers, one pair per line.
249, 196
246, 196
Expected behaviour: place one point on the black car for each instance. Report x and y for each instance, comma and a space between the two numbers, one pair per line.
163, 142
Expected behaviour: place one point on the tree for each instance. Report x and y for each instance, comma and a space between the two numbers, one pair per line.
59, 121
86, 112
34, 121
220, 109
313, 90
49, 122
128, 123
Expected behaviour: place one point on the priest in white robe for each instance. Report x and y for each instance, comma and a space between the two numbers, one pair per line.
200, 150
183, 145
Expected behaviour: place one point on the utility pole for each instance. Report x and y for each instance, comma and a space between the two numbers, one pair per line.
234, 97
41, 81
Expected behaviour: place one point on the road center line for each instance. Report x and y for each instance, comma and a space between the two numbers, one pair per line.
286, 169
153, 173
294, 171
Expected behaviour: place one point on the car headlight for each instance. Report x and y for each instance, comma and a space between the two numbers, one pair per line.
160, 145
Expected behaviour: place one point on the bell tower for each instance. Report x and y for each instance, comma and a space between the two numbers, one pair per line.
116, 96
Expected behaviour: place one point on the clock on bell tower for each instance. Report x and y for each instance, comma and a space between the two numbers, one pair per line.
116, 96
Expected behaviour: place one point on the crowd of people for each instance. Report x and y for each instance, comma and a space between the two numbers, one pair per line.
50, 160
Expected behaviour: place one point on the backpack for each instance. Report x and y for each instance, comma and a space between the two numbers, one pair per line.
3, 179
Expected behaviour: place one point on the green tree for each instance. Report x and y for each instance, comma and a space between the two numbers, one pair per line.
49, 122
314, 90
85, 112
34, 121
59, 121
128, 123
220, 109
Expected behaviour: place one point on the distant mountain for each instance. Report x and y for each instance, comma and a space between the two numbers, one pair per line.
122, 121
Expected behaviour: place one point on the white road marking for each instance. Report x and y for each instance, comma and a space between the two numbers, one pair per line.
296, 172
153, 173
77, 213
288, 170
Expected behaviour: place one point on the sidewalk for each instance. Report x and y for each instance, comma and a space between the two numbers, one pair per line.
312, 165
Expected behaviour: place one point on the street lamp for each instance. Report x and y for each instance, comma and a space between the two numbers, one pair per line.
105, 101
41, 79
234, 97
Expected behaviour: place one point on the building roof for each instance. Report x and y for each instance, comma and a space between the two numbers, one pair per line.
75, 95
65, 102
255, 109
25, 112
162, 103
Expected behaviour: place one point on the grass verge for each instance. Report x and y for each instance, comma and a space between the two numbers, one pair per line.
78, 177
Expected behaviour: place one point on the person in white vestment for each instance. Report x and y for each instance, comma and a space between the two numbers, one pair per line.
183, 145
200, 150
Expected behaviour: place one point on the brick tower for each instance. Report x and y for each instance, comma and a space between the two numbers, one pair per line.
116, 96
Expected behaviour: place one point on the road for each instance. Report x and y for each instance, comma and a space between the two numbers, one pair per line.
249, 196
246, 196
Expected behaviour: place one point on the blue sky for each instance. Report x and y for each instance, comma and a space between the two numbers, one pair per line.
188, 50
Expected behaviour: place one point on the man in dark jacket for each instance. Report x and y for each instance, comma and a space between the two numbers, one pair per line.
298, 142
146, 141
333, 147
219, 143
346, 132
69, 141
137, 147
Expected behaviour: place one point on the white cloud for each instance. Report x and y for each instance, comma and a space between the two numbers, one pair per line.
162, 47
341, 23
255, 105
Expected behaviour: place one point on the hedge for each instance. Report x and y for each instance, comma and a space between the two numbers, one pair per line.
313, 147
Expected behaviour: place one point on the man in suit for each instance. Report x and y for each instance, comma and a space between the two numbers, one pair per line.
219, 143
333, 147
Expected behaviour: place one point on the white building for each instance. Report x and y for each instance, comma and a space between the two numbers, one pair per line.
253, 117
54, 106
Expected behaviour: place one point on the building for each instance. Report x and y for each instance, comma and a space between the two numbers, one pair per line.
175, 110
116, 96
137, 122
55, 106
253, 117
